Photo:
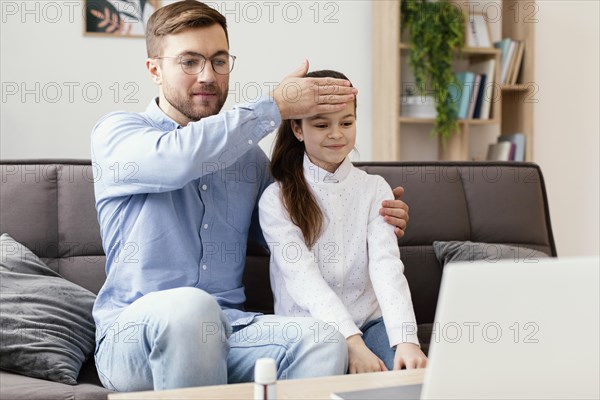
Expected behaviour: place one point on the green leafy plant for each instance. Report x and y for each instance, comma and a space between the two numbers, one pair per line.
436, 31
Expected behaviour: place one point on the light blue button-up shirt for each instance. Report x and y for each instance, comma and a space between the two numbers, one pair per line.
176, 205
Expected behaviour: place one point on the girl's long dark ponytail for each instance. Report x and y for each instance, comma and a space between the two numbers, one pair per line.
287, 168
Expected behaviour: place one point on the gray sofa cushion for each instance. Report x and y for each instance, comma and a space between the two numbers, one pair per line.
455, 251
46, 321
20, 387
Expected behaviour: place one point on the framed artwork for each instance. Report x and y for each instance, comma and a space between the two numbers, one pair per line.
118, 18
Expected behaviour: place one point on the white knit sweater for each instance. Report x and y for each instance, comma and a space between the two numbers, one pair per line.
353, 273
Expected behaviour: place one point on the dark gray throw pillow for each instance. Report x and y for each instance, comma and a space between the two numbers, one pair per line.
455, 251
46, 322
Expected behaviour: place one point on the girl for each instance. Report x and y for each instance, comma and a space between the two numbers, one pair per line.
333, 256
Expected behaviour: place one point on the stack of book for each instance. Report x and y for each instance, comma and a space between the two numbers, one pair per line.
509, 148
511, 59
474, 92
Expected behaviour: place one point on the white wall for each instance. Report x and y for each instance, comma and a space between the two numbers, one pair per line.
567, 120
52, 74
53, 52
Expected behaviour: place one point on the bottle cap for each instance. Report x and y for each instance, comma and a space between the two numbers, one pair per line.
265, 371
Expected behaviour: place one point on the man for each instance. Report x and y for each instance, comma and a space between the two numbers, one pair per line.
176, 191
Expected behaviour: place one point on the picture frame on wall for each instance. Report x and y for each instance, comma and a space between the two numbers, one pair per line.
118, 18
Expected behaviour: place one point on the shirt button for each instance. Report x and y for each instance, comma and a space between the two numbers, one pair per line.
205, 226
204, 187
204, 267
339, 285
250, 141
272, 123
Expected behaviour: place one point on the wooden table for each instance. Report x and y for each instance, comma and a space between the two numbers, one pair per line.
314, 388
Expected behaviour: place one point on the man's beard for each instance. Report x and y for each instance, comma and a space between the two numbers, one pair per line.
187, 107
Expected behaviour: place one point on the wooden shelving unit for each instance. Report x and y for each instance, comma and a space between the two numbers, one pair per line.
511, 113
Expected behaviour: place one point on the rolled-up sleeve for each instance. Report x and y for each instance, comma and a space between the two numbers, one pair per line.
132, 155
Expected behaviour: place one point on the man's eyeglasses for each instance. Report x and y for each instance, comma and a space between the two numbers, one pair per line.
194, 64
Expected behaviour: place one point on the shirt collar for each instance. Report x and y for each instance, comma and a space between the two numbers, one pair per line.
157, 115
316, 174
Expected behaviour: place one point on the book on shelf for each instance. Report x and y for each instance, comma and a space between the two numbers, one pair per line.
483, 102
510, 63
481, 93
518, 139
461, 92
507, 48
474, 95
478, 34
508, 148
518, 58
499, 151
511, 59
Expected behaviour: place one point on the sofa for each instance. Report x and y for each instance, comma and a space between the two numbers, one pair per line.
48, 206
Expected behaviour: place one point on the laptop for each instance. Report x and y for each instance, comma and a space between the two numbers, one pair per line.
511, 330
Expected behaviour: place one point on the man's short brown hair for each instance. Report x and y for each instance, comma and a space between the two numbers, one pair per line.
177, 17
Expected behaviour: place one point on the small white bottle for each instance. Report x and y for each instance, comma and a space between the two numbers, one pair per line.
265, 376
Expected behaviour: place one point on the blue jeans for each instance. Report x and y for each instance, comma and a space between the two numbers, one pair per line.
376, 339
180, 338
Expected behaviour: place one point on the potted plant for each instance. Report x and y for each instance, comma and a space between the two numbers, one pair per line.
436, 31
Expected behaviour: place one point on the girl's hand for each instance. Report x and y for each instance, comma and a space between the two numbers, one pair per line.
360, 358
409, 356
